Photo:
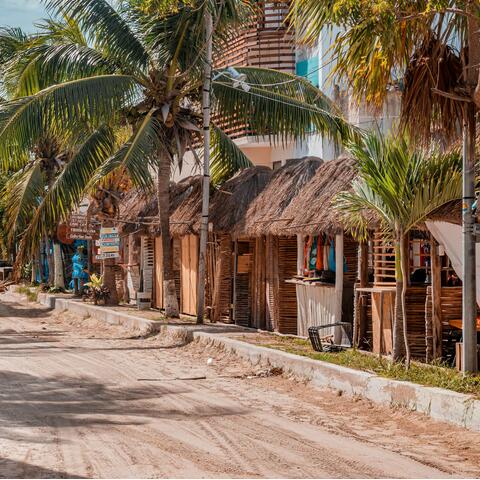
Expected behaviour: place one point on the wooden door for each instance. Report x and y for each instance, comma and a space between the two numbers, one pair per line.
189, 274
158, 283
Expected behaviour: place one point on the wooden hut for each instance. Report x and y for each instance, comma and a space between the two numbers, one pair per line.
139, 220
274, 257
230, 256
318, 236
136, 240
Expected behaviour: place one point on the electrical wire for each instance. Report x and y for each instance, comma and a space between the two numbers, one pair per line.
296, 79
314, 110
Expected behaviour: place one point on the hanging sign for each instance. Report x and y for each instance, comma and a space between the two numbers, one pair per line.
104, 256
79, 227
109, 243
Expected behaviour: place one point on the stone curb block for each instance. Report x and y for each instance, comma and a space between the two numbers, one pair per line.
109, 316
440, 404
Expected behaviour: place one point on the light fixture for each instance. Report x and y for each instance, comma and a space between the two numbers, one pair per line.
236, 75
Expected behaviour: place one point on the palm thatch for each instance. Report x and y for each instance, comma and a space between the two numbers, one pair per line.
136, 206
186, 206
435, 68
450, 212
231, 201
311, 211
139, 211
265, 212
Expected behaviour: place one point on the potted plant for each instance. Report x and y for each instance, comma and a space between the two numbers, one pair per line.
96, 290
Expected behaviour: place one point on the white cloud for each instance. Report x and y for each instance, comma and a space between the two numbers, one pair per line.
22, 13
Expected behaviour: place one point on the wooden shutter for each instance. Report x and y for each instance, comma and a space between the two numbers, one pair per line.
147, 259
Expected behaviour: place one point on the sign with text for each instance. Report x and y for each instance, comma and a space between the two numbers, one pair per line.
109, 243
82, 228
104, 256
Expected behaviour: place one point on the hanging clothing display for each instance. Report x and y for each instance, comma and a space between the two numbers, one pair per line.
319, 255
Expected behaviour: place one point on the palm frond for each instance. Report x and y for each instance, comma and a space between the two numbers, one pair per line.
107, 29
62, 107
20, 195
226, 157
54, 64
400, 186
137, 156
67, 190
287, 111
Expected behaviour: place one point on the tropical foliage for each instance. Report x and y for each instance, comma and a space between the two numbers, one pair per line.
418, 47
399, 187
141, 69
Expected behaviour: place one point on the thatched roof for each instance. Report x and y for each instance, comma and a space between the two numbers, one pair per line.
231, 201
284, 186
139, 211
135, 206
450, 212
186, 206
311, 211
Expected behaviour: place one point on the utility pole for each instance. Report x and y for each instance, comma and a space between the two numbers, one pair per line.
206, 166
469, 302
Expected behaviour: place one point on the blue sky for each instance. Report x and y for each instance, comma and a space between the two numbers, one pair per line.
21, 13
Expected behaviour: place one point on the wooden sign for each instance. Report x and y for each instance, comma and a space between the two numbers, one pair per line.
81, 228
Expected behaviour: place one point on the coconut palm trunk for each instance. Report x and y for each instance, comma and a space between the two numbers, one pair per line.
59, 279
163, 199
398, 338
109, 280
403, 301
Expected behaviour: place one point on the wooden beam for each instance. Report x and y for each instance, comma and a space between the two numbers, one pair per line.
300, 254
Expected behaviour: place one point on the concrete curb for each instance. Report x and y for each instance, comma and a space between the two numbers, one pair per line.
440, 404
107, 315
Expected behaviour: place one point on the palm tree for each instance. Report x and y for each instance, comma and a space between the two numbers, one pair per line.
432, 51
400, 186
47, 180
145, 71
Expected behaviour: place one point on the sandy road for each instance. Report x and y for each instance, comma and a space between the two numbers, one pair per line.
79, 399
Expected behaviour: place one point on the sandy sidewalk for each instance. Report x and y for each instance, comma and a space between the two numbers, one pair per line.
81, 399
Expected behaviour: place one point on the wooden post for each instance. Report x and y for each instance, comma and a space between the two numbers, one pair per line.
300, 254
338, 285
436, 300
235, 270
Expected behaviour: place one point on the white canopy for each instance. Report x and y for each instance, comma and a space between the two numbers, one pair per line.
450, 236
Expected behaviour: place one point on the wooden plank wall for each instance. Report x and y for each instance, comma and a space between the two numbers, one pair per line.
189, 274
287, 296
416, 299
148, 263
242, 300
350, 252
258, 284
451, 309
272, 283
177, 266
222, 291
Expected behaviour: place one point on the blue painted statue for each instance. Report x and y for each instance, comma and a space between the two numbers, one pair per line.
79, 269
